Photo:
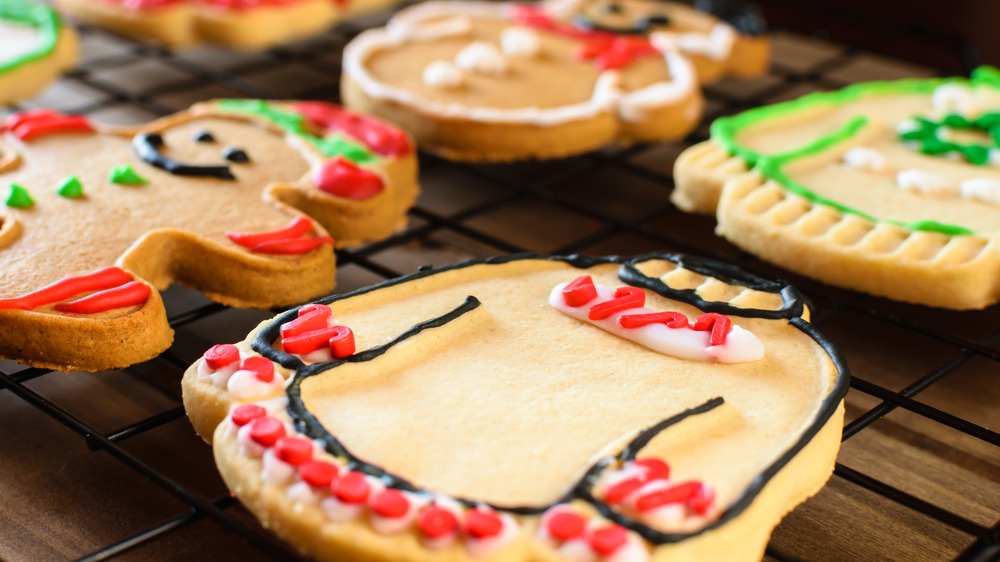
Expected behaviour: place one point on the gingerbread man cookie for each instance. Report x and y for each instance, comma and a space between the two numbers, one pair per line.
245, 25
236, 198
506, 81
892, 188
529, 408
35, 48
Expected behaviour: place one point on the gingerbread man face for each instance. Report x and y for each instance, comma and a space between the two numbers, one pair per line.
35, 47
542, 408
212, 198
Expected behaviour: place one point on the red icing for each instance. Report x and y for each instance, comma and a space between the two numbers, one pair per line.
298, 227
579, 291
702, 500
674, 494
343, 178
606, 540
261, 366
625, 298
671, 319
30, 124
311, 317
291, 247
318, 473
436, 522
390, 503
222, 355
352, 487
342, 342
246, 413
483, 523
266, 431
719, 324
617, 492
223, 4
293, 450
309, 342
130, 294
376, 135
566, 525
656, 469
101, 279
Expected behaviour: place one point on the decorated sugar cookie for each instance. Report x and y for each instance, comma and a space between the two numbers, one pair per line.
241, 199
239, 24
529, 408
892, 188
507, 81
35, 48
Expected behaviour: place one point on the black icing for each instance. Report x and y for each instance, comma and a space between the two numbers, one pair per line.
204, 136
794, 304
641, 25
147, 147
236, 155
744, 16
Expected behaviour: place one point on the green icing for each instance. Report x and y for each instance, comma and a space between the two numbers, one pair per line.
19, 197
126, 175
725, 130
925, 133
70, 188
292, 123
41, 17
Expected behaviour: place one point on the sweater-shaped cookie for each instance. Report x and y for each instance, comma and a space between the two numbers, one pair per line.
245, 25
35, 47
241, 199
892, 188
529, 408
506, 81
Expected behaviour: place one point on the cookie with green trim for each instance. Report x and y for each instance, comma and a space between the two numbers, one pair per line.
529, 408
35, 48
243, 200
891, 188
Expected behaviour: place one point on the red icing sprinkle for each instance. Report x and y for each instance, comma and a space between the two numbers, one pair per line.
298, 227
674, 494
310, 341
483, 523
719, 324
129, 294
436, 522
656, 469
105, 278
566, 525
671, 319
390, 503
315, 318
352, 487
376, 135
343, 178
607, 539
266, 431
625, 298
293, 450
246, 413
342, 342
222, 355
291, 246
15, 120
579, 291
617, 491
261, 366
26, 126
703, 499
318, 473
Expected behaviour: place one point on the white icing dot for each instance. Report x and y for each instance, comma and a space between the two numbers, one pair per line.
245, 385
520, 42
443, 74
907, 126
922, 181
303, 492
277, 471
483, 57
982, 189
337, 510
954, 98
577, 550
632, 551
248, 447
864, 158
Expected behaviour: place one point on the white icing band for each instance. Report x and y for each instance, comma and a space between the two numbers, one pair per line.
684, 343
18, 40
480, 56
607, 95
922, 181
443, 74
981, 189
864, 158
218, 377
520, 42
717, 45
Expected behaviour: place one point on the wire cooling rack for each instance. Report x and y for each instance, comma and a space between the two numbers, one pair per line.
918, 476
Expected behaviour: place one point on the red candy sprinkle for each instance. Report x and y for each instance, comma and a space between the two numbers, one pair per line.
436, 522
656, 469
311, 317
298, 227
266, 431
671, 319
679, 493
343, 178
293, 450
483, 523
607, 539
129, 294
702, 500
246, 413
625, 298
342, 342
261, 366
565, 525
719, 324
617, 491
318, 473
222, 355
579, 291
309, 341
390, 503
352, 487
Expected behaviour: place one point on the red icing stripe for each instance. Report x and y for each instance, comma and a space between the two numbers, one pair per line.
105, 278
625, 298
224, 4
579, 291
344, 178
674, 494
311, 317
298, 227
129, 294
719, 324
30, 124
291, 247
671, 319
376, 135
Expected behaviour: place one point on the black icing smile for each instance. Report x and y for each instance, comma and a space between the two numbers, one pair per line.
147, 147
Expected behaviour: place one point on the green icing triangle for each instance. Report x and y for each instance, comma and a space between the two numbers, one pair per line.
70, 188
19, 197
126, 175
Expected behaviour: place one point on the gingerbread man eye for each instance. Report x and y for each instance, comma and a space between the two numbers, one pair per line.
658, 19
204, 136
237, 155
612, 8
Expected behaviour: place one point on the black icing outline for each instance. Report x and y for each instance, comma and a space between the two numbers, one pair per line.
147, 148
794, 305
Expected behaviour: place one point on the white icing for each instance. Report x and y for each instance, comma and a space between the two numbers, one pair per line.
303, 492
684, 343
248, 447
17, 40
954, 98
443, 74
864, 158
337, 510
607, 95
981, 189
483, 57
520, 42
612, 477
421, 31
321, 355
277, 471
479, 548
646, 489
669, 517
577, 550
922, 181
632, 551
245, 385
716, 45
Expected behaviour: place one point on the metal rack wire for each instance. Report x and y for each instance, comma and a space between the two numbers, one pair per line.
612, 201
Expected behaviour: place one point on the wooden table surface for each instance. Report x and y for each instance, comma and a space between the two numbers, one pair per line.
918, 476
